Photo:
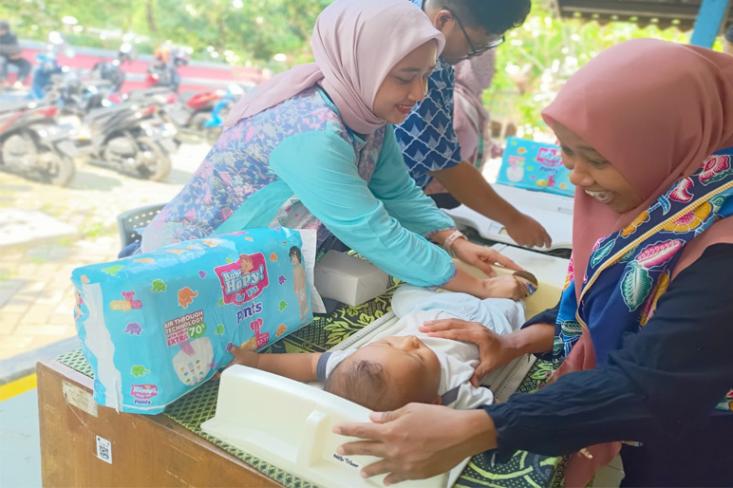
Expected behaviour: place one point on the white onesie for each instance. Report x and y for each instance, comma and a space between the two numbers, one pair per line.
415, 306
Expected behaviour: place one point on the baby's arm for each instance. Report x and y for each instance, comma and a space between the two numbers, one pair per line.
296, 366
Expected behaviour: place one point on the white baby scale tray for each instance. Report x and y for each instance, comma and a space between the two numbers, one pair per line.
554, 212
289, 424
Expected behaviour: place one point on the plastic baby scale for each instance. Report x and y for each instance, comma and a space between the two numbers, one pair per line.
288, 423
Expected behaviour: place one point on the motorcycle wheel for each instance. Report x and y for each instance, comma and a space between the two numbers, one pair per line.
198, 121
212, 135
38, 163
60, 169
20, 153
160, 167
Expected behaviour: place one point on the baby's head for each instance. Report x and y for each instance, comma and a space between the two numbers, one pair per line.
387, 374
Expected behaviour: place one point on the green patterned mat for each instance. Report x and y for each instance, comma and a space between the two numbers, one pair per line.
522, 470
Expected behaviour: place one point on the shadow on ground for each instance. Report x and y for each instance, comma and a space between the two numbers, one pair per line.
85, 180
178, 177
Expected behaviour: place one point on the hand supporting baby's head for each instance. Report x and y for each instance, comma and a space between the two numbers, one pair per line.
388, 374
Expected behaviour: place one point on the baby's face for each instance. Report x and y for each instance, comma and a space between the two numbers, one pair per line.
412, 368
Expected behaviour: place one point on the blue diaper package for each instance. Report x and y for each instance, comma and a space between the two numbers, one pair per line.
155, 326
534, 166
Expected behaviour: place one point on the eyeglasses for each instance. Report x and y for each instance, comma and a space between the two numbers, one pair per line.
472, 50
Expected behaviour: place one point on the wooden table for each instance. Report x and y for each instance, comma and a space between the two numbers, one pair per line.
141, 450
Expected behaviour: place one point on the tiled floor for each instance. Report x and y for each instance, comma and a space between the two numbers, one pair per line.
36, 295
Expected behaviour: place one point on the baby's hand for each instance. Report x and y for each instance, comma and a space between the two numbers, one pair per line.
243, 356
505, 286
528, 279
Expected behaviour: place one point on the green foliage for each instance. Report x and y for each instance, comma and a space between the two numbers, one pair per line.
540, 55
536, 59
250, 30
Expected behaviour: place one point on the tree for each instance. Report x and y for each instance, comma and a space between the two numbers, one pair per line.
254, 30
540, 55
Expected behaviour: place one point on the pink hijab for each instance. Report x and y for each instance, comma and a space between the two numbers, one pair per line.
470, 117
355, 44
656, 110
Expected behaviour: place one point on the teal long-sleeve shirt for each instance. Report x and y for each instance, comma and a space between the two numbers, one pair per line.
358, 188
386, 219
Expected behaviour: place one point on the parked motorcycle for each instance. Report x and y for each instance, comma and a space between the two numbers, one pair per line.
75, 96
193, 111
46, 68
128, 138
215, 123
188, 113
33, 144
111, 70
163, 72
47, 65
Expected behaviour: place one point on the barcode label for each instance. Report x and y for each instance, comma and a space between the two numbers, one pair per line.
104, 450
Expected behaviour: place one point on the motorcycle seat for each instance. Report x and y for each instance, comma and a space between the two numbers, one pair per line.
185, 97
106, 112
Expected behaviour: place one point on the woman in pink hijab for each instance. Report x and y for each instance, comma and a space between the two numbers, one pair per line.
644, 327
313, 148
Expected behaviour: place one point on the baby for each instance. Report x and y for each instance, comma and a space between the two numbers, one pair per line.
403, 364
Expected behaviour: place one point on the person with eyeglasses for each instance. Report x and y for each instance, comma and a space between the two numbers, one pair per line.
427, 138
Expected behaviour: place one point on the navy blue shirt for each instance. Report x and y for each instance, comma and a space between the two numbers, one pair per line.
660, 388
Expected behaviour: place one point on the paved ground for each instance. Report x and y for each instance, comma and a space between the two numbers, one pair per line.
36, 296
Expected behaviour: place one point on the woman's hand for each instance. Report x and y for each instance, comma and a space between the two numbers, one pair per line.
482, 257
526, 231
410, 451
495, 350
